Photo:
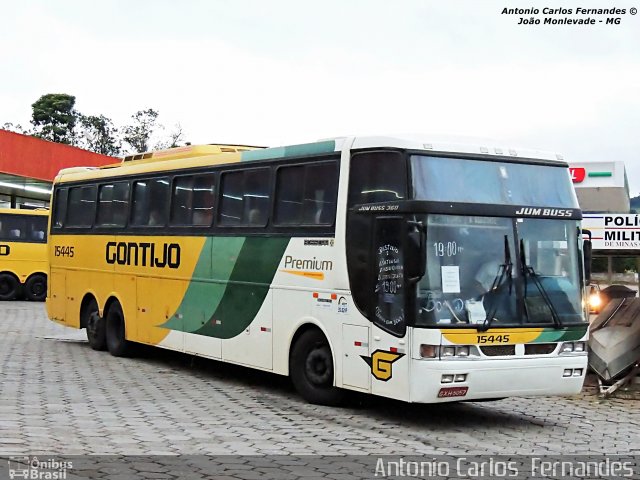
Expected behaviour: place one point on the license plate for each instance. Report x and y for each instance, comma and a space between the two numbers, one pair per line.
452, 392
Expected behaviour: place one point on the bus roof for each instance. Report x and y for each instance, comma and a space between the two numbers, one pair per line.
189, 151
193, 156
16, 211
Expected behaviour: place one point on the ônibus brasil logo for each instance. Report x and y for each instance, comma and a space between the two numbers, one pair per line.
33, 468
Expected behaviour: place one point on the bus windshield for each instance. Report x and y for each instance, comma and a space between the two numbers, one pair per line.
499, 271
444, 179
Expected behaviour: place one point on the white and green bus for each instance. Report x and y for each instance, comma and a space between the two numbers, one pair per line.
417, 271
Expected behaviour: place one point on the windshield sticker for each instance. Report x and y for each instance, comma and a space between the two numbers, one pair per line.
545, 212
318, 242
450, 279
381, 362
389, 285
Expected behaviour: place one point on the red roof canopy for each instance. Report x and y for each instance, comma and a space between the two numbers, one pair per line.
32, 157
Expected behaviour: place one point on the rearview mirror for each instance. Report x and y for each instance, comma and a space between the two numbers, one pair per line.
416, 253
587, 252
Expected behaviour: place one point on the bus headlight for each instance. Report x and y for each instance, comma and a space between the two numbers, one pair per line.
449, 351
573, 347
594, 301
447, 378
428, 351
462, 351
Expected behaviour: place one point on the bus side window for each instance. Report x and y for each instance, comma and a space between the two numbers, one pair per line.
182, 201
289, 194
231, 199
60, 207
37, 227
306, 194
377, 177
149, 202
245, 198
192, 200
82, 206
204, 194
113, 202
256, 197
320, 194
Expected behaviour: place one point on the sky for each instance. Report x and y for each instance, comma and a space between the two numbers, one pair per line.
278, 72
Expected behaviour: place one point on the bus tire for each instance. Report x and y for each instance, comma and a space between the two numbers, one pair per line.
9, 286
96, 330
117, 344
36, 287
311, 369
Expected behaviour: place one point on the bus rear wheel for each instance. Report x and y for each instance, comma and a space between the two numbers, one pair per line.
311, 369
117, 344
95, 324
36, 288
9, 286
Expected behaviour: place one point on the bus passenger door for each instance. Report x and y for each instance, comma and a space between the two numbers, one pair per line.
389, 341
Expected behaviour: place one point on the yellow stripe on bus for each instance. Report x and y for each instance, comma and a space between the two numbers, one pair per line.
307, 274
495, 336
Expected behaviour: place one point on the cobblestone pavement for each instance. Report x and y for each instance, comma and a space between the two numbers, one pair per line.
60, 397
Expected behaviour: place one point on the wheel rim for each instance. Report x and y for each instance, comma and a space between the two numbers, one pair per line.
38, 288
319, 366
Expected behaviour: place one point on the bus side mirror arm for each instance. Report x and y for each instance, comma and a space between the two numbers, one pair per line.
417, 251
586, 250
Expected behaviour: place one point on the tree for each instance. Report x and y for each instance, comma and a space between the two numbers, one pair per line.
53, 117
17, 128
138, 133
176, 136
98, 134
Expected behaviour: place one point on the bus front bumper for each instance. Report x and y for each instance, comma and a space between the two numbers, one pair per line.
455, 380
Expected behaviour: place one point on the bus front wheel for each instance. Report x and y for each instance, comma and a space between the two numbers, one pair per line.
117, 344
95, 325
36, 288
311, 369
9, 286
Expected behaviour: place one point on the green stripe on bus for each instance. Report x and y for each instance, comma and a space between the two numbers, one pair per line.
304, 149
207, 288
248, 286
564, 335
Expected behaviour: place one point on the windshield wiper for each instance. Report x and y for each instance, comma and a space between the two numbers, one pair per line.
505, 269
528, 270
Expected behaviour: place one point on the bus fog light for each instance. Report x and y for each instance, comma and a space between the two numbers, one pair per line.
448, 351
577, 372
567, 347
567, 372
428, 351
462, 351
447, 378
460, 377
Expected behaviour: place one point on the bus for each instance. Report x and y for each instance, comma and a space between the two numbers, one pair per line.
418, 271
23, 254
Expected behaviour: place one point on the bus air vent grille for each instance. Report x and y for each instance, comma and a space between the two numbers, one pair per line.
539, 348
498, 350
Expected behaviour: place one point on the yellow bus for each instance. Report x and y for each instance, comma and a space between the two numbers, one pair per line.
412, 270
23, 254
